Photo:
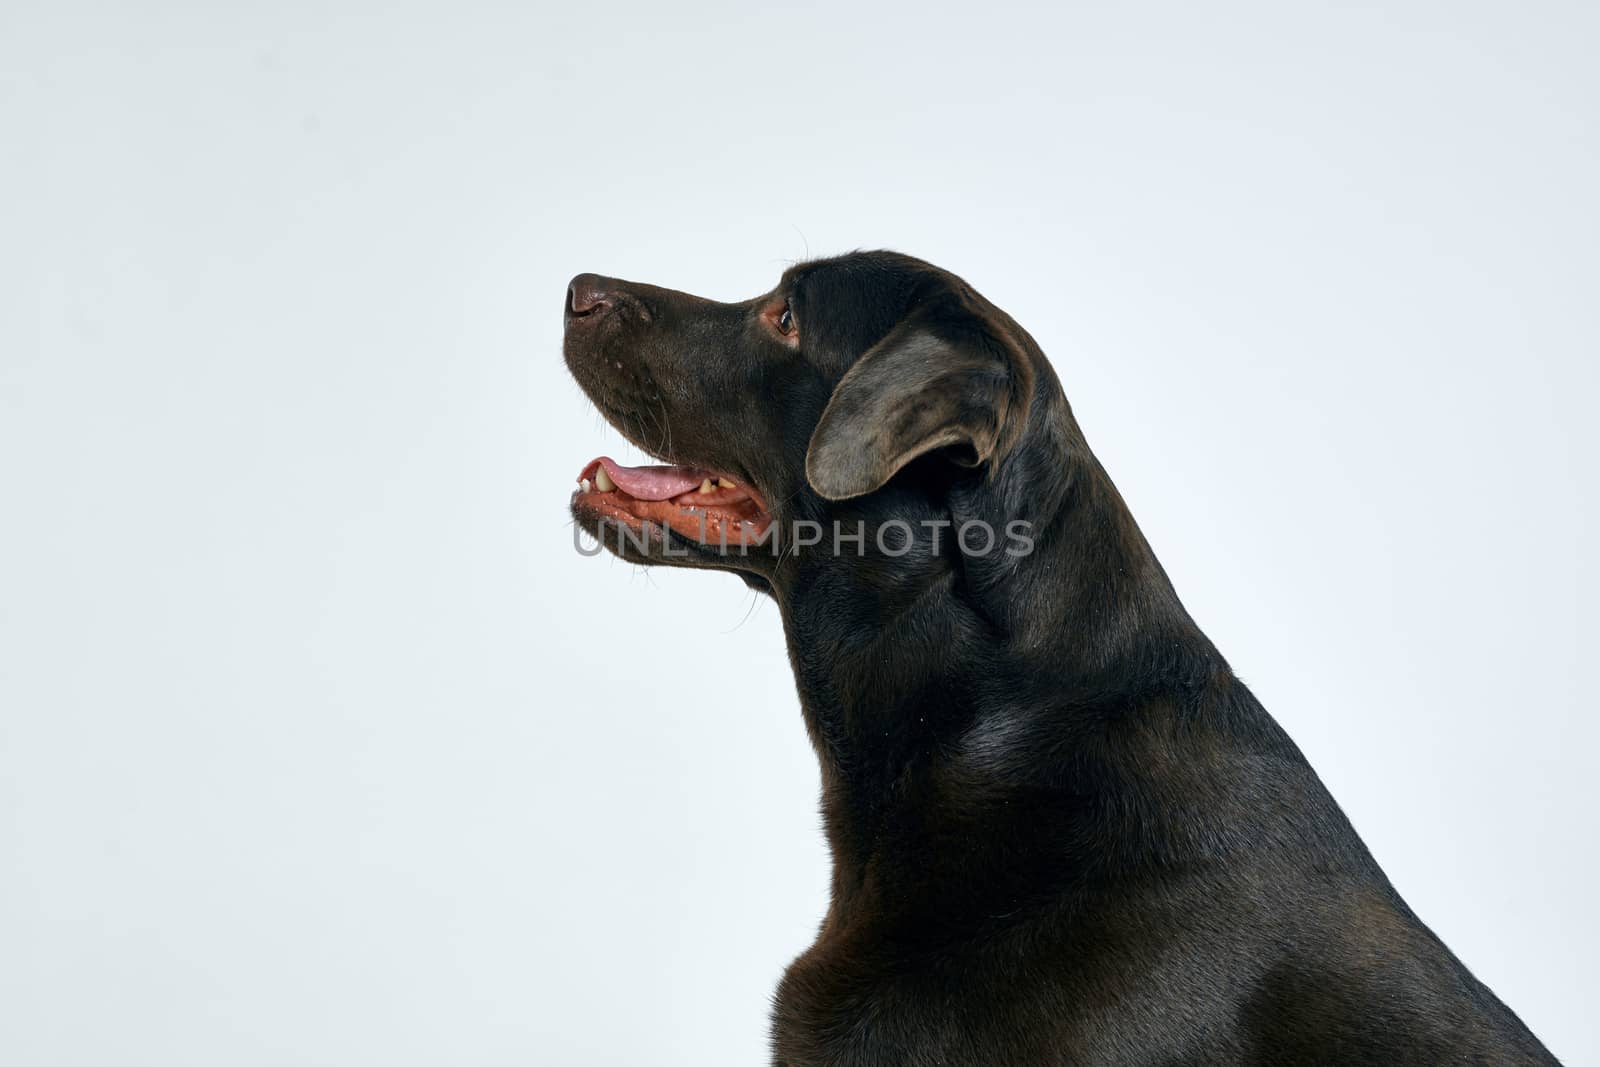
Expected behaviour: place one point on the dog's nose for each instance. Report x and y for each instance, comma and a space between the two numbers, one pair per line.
588, 294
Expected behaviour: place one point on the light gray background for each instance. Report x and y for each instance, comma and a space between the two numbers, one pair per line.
320, 745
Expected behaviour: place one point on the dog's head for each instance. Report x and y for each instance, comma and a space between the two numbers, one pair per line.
864, 408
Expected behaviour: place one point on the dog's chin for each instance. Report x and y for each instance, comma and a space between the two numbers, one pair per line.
674, 516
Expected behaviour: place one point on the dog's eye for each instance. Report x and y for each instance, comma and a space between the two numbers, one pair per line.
786, 321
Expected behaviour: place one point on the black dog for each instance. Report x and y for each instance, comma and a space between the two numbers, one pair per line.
1063, 832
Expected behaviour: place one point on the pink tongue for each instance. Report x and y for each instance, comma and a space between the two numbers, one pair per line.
649, 483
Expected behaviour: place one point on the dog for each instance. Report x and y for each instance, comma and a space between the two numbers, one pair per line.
1062, 830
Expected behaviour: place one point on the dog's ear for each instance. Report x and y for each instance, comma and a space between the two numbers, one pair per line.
945, 376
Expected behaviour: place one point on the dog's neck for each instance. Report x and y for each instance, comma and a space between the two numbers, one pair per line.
896, 675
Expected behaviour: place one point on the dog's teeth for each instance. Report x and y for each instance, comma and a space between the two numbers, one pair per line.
705, 486
584, 484
725, 483
602, 480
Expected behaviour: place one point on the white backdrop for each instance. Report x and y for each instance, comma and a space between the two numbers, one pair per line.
320, 745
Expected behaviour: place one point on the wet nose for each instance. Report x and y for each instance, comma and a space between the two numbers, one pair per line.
589, 293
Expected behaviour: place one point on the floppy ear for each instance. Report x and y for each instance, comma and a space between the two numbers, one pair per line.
929, 384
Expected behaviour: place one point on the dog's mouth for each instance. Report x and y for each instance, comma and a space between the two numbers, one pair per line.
699, 505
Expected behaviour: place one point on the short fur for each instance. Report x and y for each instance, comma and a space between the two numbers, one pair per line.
1063, 831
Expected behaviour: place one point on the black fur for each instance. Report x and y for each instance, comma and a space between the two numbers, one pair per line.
1063, 832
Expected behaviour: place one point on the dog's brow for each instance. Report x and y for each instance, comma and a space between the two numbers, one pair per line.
792, 280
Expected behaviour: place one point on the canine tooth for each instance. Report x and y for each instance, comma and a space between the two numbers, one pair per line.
725, 483
584, 484
705, 486
602, 480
